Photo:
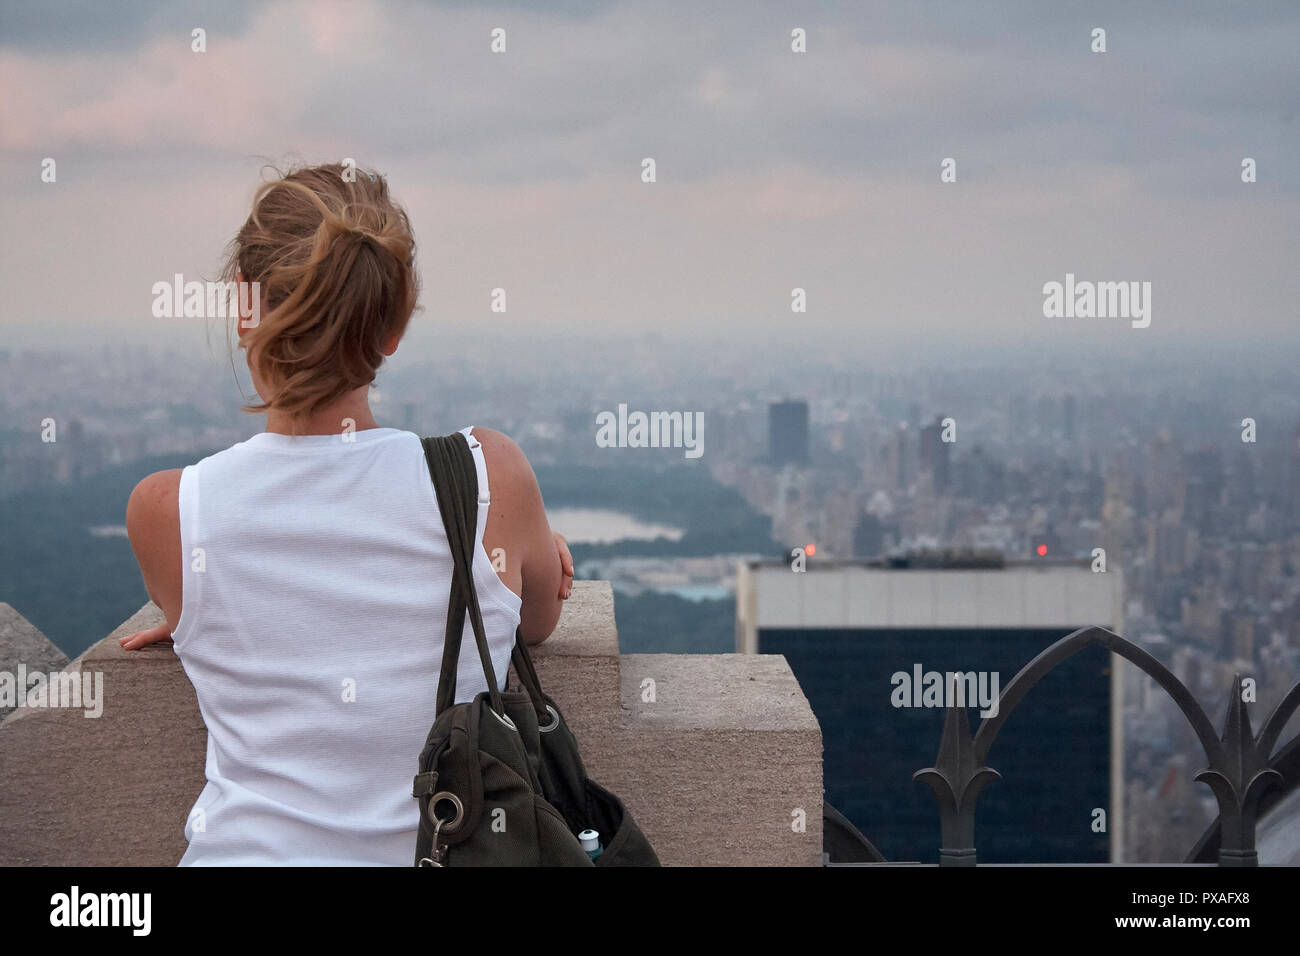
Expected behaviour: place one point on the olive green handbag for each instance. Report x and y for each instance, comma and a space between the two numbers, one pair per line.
501, 782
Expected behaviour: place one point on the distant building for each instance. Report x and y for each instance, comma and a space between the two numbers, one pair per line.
934, 455
787, 432
896, 459
848, 630
1293, 498
869, 536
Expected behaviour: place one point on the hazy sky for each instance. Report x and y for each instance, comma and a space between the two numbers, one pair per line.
775, 169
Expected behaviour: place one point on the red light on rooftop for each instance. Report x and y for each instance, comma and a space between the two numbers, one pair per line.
810, 549
1042, 550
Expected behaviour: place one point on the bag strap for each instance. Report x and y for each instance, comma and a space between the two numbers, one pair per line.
527, 675
455, 479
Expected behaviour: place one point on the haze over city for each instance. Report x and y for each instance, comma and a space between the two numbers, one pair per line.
822, 171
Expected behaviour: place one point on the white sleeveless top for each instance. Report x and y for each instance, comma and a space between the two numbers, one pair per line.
316, 582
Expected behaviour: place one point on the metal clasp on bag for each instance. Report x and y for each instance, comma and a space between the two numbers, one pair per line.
439, 853
555, 721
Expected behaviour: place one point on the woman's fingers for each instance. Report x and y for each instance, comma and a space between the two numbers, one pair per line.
566, 565
154, 635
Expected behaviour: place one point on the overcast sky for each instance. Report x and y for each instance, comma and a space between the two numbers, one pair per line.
775, 169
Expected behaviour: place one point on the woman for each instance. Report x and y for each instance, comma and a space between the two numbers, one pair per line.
304, 573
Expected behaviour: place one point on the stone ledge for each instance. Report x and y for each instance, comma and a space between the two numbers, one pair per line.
715, 692
716, 769
22, 643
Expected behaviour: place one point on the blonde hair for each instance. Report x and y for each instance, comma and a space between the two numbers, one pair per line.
335, 261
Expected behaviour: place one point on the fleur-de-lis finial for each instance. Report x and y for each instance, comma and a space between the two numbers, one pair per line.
957, 777
1239, 775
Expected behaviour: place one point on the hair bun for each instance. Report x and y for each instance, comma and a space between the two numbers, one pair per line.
360, 236
331, 311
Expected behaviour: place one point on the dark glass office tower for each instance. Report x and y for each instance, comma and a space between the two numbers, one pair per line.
1053, 754
848, 628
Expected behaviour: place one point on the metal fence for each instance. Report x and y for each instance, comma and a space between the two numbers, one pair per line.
1241, 766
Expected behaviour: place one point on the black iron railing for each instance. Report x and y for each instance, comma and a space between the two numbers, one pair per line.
1239, 767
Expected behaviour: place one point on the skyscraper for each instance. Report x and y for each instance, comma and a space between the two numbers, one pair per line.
849, 629
787, 432
934, 455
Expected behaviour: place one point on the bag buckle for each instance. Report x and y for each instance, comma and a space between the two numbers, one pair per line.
439, 853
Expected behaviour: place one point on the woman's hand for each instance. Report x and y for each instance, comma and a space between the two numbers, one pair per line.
566, 565
162, 634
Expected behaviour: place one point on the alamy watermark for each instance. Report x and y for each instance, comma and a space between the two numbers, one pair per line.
651, 430
922, 688
179, 299
128, 910
1083, 299
79, 689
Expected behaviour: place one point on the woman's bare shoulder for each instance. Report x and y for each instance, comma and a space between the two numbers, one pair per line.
154, 500
508, 468
154, 527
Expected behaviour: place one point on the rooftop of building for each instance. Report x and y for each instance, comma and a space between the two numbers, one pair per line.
945, 560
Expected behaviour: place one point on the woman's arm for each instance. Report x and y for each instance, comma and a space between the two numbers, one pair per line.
538, 565
153, 524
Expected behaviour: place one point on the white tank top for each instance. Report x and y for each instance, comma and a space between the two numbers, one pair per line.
315, 588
